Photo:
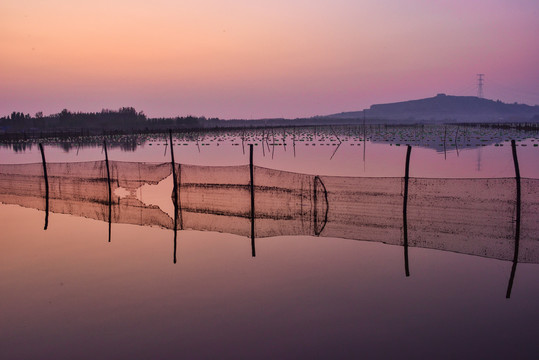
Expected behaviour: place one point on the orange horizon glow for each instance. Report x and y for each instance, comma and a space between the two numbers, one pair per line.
240, 59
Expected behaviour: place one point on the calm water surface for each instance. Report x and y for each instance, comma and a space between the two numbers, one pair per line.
67, 292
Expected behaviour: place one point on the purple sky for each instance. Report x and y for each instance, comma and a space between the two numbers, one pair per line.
269, 58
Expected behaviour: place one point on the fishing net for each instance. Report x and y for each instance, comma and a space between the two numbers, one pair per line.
214, 198
81, 189
128, 208
529, 228
470, 216
22, 184
364, 208
473, 216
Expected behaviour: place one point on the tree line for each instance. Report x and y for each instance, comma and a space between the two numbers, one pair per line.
126, 118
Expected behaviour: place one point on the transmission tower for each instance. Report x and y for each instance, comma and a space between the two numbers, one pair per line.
480, 82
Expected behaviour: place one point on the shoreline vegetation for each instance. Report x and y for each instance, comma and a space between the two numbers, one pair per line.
441, 109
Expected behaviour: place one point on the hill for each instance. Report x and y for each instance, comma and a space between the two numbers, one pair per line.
446, 108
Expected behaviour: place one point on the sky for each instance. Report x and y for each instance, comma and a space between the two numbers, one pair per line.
265, 58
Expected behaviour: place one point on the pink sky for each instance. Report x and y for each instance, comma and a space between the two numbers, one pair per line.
269, 58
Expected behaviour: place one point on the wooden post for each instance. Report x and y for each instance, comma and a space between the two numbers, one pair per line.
175, 188
517, 223
315, 206
405, 210
175, 232
46, 186
109, 186
251, 172
175, 193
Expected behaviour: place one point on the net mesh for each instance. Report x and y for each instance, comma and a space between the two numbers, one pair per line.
364, 208
22, 185
127, 178
529, 227
471, 216
475, 216
214, 198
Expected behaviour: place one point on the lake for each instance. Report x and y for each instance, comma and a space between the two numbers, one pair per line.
329, 252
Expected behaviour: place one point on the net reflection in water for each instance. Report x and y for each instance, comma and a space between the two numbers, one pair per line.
471, 216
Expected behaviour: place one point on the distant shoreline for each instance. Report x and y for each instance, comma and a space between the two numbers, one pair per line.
441, 109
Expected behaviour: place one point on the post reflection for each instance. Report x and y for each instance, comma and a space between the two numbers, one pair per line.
517, 222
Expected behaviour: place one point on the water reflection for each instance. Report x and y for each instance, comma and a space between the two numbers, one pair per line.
305, 291
442, 138
493, 218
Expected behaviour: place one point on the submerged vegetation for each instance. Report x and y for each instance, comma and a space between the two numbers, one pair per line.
442, 138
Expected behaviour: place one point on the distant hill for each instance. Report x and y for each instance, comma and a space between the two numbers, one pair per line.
445, 108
